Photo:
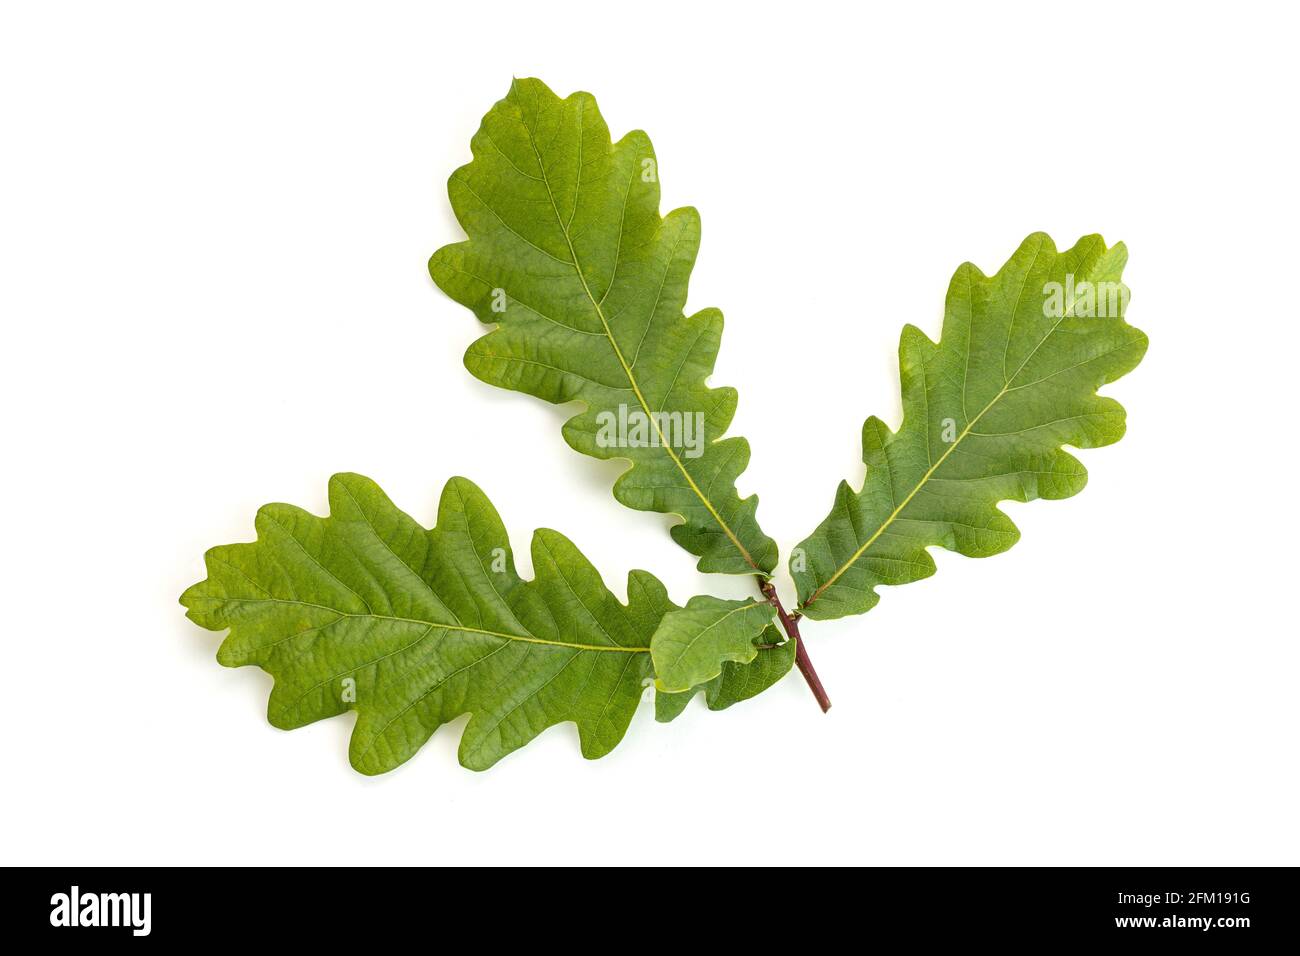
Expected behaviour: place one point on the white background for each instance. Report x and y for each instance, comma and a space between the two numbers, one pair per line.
213, 239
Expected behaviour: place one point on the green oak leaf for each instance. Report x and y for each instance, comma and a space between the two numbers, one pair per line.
366, 610
737, 682
691, 644
567, 254
986, 410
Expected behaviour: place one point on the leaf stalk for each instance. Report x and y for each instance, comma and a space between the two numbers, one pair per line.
801, 658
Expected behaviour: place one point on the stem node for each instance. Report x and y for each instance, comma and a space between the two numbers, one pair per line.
801, 658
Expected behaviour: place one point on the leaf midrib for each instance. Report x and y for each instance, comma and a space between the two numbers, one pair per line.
686, 648
1006, 387
527, 639
618, 353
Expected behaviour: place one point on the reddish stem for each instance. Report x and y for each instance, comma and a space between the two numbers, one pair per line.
801, 657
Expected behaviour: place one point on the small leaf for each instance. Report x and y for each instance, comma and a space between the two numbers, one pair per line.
737, 682
691, 644
985, 413
365, 610
568, 255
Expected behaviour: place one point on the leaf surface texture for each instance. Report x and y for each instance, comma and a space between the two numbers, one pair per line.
691, 644
986, 410
567, 254
366, 610
736, 682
